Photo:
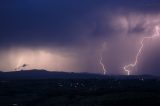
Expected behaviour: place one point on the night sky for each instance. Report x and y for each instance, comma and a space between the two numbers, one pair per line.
68, 35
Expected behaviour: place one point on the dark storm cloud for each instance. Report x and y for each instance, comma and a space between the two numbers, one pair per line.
41, 21
60, 22
73, 23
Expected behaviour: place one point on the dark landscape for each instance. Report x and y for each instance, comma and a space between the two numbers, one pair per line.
43, 88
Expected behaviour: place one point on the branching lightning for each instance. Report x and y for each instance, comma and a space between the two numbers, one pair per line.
101, 58
156, 34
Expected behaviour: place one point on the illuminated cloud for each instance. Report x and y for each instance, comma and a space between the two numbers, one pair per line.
67, 35
36, 59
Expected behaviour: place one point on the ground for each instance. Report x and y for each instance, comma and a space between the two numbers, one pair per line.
80, 92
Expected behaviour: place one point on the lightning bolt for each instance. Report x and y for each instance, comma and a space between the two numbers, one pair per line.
101, 58
156, 34
19, 63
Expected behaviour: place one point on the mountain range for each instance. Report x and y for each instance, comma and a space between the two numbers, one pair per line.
44, 74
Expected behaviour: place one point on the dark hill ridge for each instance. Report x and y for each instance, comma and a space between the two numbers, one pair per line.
43, 74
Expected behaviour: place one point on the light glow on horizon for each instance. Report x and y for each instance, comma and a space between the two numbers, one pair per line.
48, 59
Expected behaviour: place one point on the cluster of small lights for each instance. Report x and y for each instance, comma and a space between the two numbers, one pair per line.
74, 85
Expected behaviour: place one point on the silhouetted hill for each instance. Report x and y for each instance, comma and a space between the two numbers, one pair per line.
43, 74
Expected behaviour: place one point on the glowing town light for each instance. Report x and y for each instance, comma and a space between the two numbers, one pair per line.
156, 34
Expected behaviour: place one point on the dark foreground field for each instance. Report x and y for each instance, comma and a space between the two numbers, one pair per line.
80, 92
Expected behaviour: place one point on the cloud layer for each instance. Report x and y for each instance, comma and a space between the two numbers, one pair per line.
76, 30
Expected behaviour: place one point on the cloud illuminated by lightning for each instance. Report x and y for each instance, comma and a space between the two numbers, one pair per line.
156, 34
21, 67
19, 63
101, 58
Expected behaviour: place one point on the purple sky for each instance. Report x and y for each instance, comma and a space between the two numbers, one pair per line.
67, 35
